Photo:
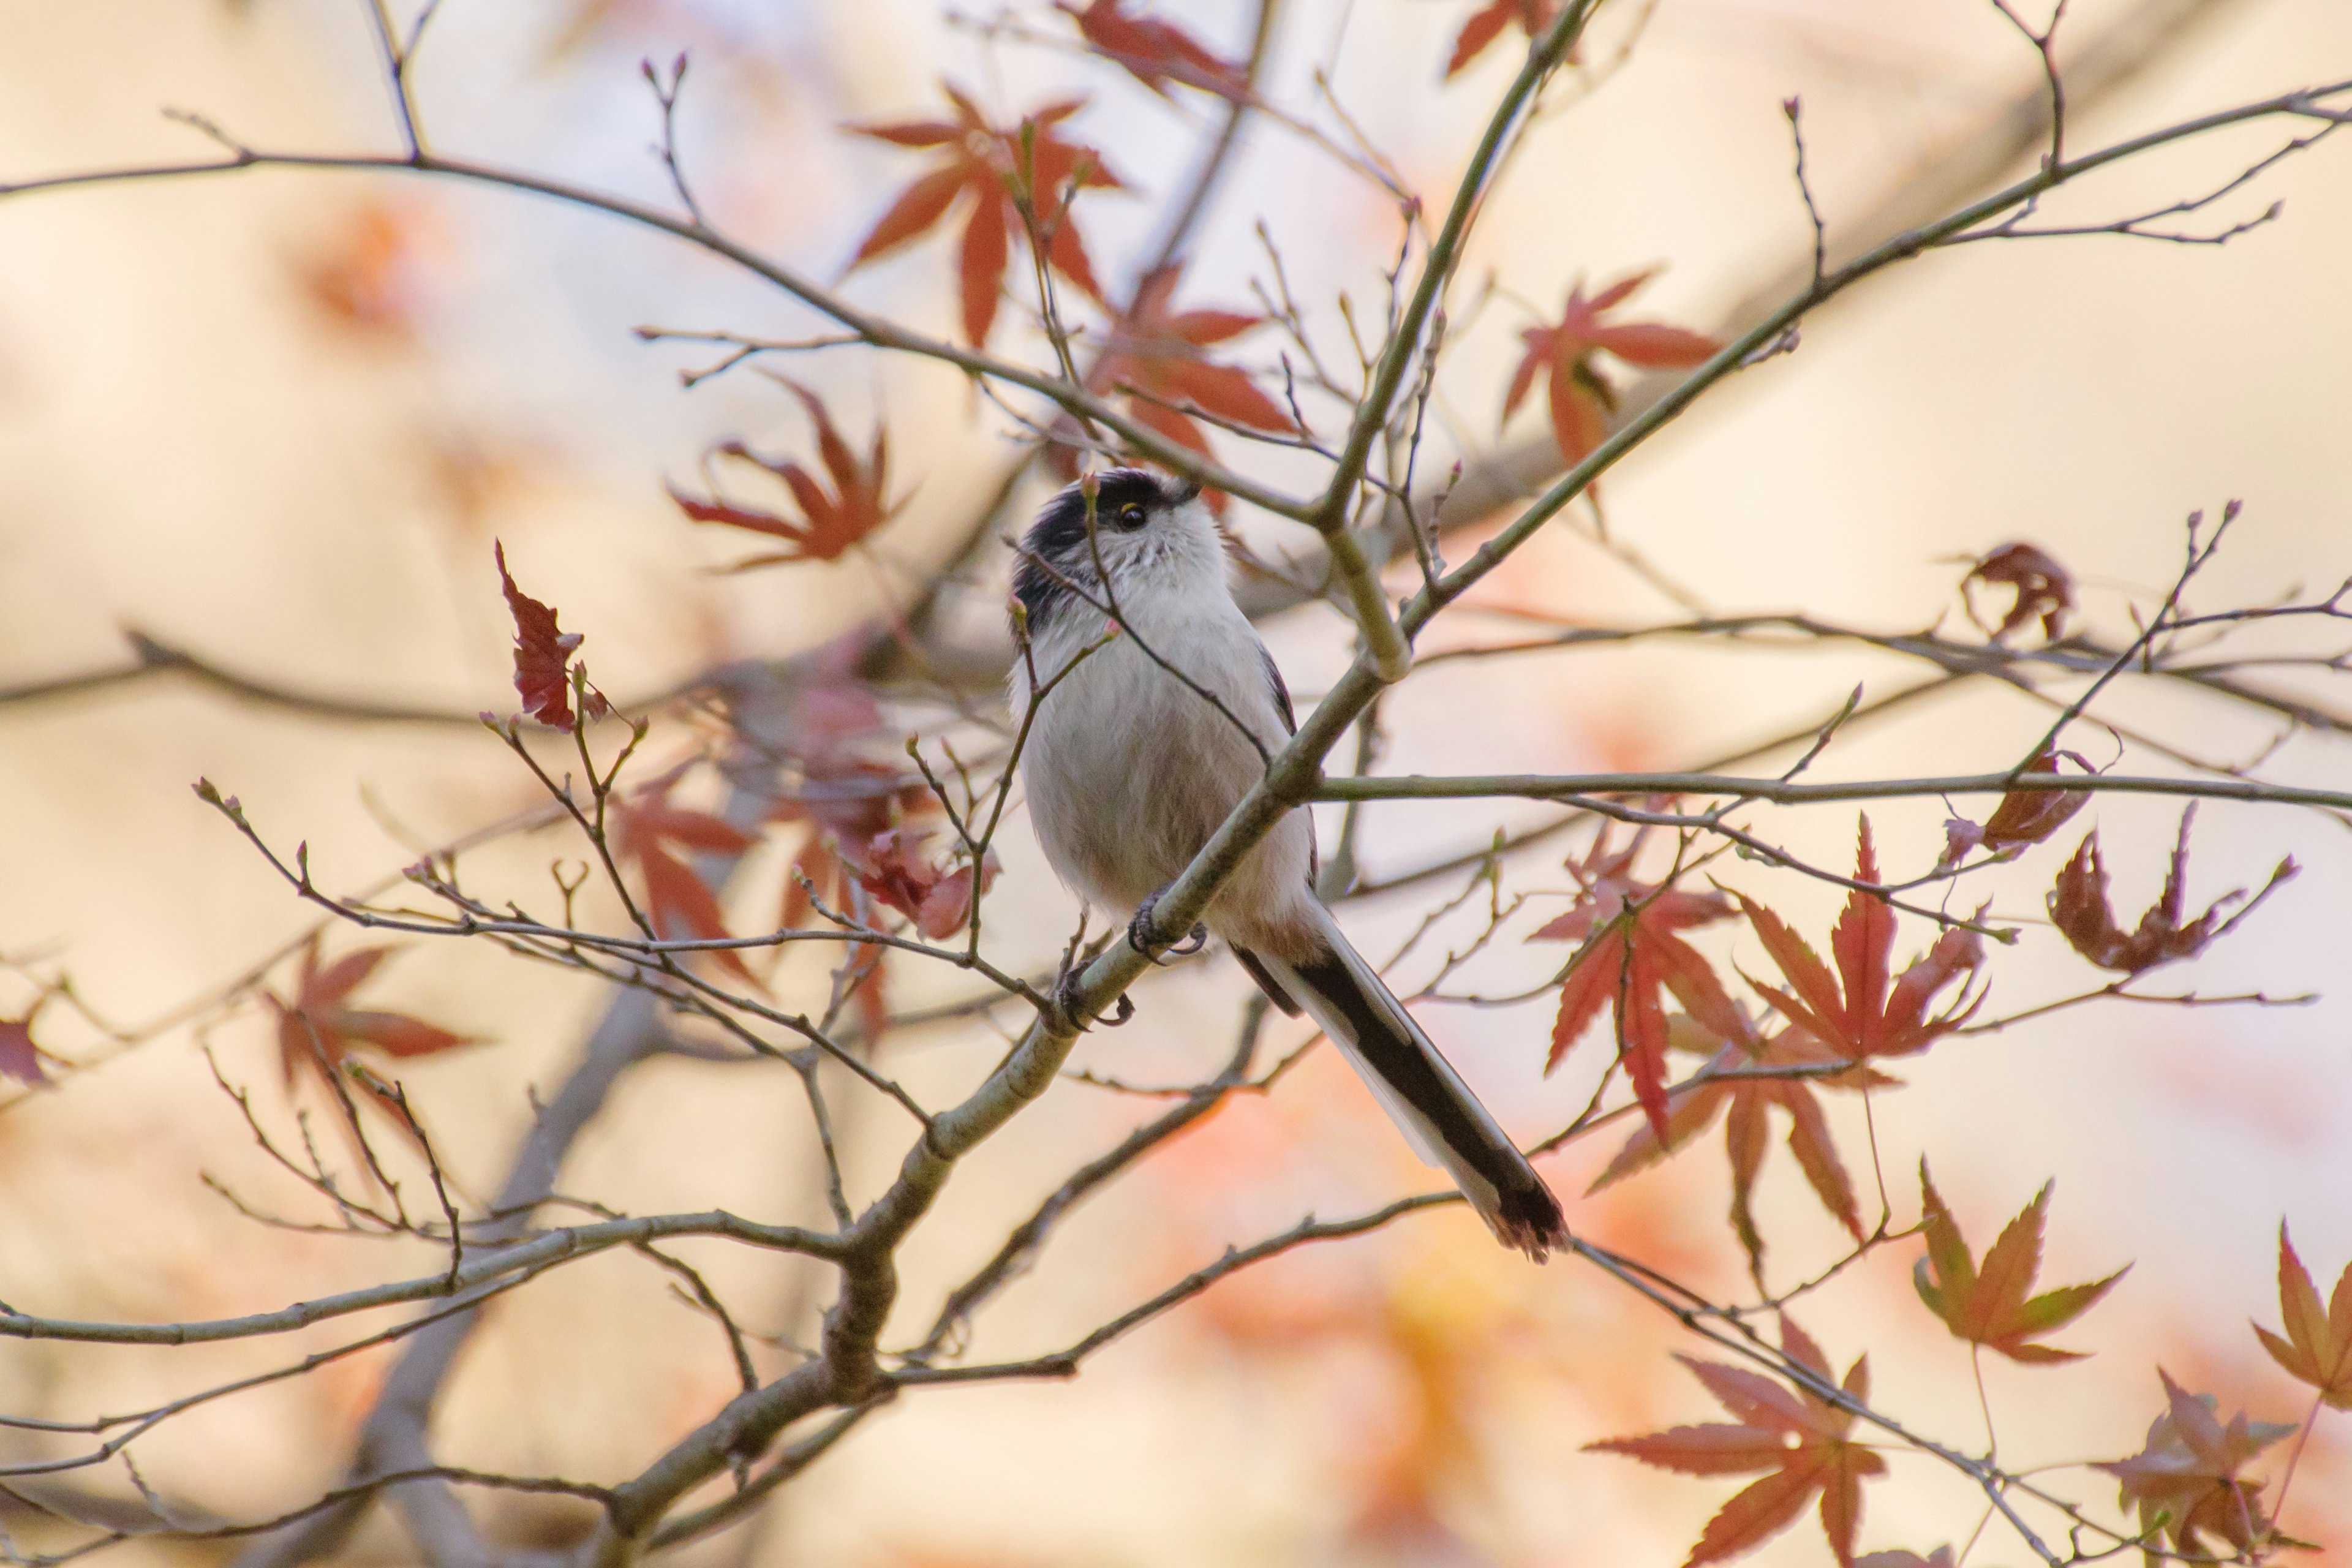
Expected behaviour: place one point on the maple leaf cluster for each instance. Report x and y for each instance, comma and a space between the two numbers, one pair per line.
1580, 394
1633, 956
831, 520
2185, 1480
993, 173
1800, 1443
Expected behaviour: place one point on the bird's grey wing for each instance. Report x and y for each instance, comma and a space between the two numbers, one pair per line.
1281, 691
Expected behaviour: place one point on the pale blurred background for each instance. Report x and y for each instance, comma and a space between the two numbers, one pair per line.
276, 419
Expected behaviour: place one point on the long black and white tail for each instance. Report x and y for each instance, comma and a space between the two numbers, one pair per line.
1418, 1087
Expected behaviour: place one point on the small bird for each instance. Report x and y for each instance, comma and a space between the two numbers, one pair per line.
1136, 755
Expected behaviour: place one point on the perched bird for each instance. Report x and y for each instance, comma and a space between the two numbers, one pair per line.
1138, 753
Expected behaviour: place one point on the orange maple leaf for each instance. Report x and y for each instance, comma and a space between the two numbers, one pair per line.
1795, 1439
1868, 1019
318, 1028
985, 165
1631, 955
1582, 398
831, 520
2318, 1348
1987, 1303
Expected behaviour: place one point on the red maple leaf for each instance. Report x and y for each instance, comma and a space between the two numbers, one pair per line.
986, 165
1582, 398
1487, 24
2079, 908
1795, 1439
1691, 1111
1631, 955
1866, 1018
542, 656
1158, 357
318, 1028
830, 521
1154, 52
680, 906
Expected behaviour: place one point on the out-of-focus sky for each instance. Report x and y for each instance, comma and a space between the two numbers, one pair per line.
204, 436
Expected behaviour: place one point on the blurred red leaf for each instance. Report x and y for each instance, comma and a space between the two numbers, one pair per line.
317, 1031
2022, 817
2079, 908
1940, 1558
2043, 587
2318, 1348
1987, 1303
892, 867
830, 521
542, 656
2185, 1480
368, 276
1690, 1111
648, 830
1867, 1019
1582, 399
1631, 955
1487, 24
985, 165
1154, 52
20, 1058
1796, 1440
1158, 357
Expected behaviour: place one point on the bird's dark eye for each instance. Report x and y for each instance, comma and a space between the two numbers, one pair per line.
1130, 517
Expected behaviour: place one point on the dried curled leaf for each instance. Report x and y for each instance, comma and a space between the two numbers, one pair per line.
2080, 910
542, 655
2024, 816
2043, 588
892, 866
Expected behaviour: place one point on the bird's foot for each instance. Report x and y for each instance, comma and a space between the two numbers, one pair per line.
1138, 935
1066, 997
